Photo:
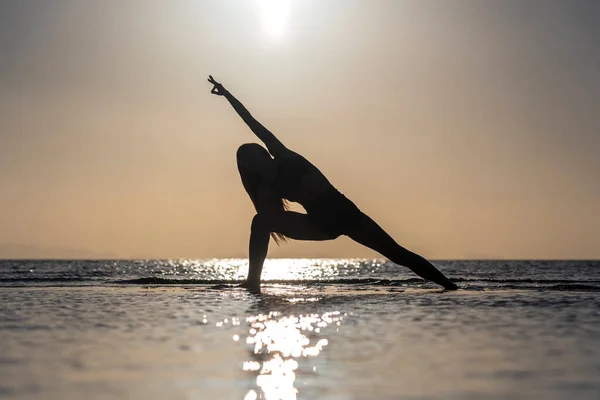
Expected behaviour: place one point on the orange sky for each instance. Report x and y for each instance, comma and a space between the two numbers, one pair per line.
467, 129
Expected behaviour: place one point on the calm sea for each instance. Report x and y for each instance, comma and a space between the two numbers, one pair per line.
321, 329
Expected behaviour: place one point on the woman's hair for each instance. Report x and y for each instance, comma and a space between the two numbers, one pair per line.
252, 182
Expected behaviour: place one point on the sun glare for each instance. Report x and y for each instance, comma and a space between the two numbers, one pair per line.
274, 16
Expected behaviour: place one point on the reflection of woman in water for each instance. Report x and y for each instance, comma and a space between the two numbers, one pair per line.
279, 174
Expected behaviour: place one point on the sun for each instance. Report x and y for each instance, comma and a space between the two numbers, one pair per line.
274, 16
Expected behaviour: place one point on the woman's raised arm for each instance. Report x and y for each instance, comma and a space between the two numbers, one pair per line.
275, 147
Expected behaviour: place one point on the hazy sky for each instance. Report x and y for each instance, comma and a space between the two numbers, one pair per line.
465, 128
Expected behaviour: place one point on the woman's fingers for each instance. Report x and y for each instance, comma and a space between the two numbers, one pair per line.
217, 86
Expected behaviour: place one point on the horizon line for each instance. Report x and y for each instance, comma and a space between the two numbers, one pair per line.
280, 258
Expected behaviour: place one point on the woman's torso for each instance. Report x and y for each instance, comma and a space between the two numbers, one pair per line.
298, 180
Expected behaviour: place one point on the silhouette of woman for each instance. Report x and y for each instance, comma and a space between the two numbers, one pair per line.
275, 176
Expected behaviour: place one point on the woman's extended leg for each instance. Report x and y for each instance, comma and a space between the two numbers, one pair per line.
368, 233
291, 224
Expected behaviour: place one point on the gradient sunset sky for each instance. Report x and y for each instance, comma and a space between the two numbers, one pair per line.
467, 129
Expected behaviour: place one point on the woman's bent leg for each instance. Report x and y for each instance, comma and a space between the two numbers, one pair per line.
368, 233
291, 224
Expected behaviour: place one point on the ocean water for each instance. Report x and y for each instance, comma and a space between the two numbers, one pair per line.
321, 329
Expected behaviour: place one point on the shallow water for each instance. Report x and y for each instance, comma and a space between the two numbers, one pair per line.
335, 329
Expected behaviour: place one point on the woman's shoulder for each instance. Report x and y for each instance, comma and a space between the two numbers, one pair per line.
290, 156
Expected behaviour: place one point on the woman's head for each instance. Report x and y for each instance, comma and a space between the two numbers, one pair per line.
257, 168
256, 159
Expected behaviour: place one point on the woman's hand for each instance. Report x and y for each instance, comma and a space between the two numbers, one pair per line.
252, 288
218, 89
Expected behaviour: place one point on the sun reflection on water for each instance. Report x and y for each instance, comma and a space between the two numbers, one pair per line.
280, 344
275, 269
292, 269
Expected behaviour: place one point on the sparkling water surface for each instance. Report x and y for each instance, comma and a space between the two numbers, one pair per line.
321, 329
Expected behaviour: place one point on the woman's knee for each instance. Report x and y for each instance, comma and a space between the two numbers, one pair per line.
267, 221
260, 222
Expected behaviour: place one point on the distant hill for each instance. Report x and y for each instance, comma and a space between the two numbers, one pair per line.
24, 251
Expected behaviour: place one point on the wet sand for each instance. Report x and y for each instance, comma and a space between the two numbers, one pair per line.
195, 342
